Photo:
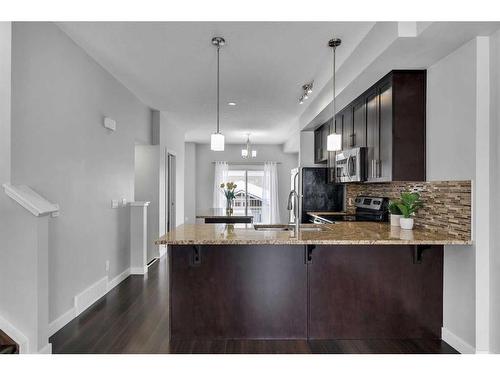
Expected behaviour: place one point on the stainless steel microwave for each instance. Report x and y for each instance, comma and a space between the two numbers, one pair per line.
350, 165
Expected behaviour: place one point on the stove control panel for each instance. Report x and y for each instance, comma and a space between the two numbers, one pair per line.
370, 203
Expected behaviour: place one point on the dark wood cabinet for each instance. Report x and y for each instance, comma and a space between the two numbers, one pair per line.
347, 131
384, 164
358, 138
372, 134
368, 292
295, 291
320, 143
389, 119
244, 291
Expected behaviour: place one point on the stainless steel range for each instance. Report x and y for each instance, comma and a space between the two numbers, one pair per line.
367, 209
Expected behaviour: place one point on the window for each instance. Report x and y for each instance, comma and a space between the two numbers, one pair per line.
249, 181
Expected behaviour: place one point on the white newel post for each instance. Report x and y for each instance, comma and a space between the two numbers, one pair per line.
138, 237
36, 288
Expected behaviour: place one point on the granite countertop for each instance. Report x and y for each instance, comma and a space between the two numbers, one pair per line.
216, 213
341, 233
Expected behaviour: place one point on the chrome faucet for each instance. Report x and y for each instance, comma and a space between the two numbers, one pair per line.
295, 206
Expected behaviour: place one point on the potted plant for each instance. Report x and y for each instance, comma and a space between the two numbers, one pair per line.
228, 190
409, 204
395, 213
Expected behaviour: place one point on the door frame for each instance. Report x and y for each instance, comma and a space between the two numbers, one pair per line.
168, 197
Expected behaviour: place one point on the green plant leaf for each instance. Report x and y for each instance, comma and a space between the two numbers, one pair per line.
410, 203
404, 210
393, 208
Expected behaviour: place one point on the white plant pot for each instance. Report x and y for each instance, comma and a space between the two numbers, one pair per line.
406, 223
395, 220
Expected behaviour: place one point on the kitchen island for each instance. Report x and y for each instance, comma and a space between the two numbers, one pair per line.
349, 280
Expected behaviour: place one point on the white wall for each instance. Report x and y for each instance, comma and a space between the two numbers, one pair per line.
23, 295
458, 139
170, 138
147, 188
190, 183
5, 99
495, 168
60, 148
205, 171
451, 98
306, 152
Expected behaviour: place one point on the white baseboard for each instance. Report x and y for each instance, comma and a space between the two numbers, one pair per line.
483, 352
15, 335
86, 298
139, 270
456, 342
60, 322
47, 349
118, 279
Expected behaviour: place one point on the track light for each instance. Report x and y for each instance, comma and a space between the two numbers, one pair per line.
308, 89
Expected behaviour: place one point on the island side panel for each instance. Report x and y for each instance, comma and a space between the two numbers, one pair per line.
364, 292
243, 291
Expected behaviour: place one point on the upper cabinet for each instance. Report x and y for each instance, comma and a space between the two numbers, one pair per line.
320, 140
389, 120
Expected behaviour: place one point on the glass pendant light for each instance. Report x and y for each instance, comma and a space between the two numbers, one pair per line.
334, 140
246, 152
217, 138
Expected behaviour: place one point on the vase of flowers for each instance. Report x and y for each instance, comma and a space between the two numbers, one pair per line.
408, 204
228, 190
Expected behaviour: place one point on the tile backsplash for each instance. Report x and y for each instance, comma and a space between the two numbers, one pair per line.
446, 204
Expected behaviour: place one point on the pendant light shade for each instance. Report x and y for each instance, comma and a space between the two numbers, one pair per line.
217, 142
334, 142
217, 139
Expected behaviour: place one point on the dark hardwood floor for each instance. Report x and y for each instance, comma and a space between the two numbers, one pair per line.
133, 318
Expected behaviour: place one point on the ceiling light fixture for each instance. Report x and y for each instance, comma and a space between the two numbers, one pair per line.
217, 139
334, 140
231, 104
246, 152
307, 89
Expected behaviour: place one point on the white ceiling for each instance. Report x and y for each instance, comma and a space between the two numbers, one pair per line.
171, 66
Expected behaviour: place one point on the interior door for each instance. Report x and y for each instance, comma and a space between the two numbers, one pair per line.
171, 209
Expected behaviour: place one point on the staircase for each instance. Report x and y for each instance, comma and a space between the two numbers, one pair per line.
7, 345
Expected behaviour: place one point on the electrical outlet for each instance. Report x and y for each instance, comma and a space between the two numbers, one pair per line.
124, 202
114, 203
107, 266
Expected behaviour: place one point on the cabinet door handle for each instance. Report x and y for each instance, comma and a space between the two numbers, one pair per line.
308, 254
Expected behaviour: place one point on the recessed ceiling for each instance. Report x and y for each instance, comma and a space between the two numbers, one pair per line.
171, 66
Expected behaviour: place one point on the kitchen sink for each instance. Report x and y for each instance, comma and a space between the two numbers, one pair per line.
287, 227
272, 227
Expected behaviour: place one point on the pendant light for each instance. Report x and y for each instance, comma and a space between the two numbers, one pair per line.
246, 152
334, 140
217, 139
